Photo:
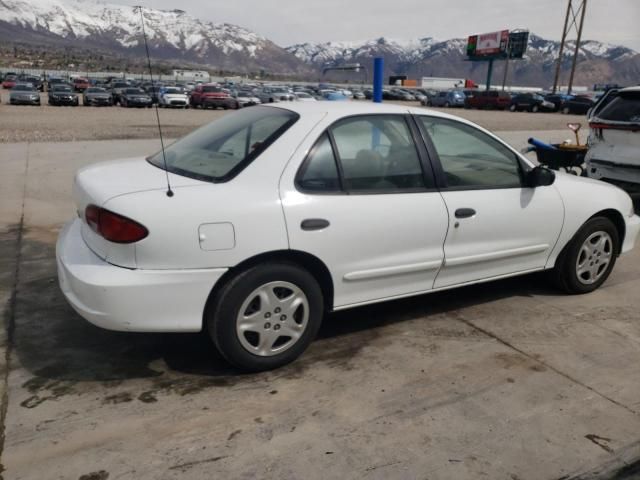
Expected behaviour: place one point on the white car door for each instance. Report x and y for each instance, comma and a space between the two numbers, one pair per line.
363, 202
498, 225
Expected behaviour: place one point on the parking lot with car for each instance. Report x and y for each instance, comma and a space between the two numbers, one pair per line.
443, 384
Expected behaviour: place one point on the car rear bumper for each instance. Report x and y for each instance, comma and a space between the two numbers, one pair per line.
117, 298
627, 173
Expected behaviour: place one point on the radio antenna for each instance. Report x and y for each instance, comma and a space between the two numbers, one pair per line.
153, 89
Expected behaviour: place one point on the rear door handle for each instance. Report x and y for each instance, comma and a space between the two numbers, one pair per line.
465, 212
314, 224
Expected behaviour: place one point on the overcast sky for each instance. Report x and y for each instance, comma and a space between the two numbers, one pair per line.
295, 21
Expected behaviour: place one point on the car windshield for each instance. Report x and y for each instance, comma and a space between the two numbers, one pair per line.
62, 88
211, 89
303, 95
96, 90
134, 91
24, 88
172, 90
221, 149
121, 85
623, 108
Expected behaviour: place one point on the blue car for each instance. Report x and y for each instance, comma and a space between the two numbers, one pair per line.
451, 98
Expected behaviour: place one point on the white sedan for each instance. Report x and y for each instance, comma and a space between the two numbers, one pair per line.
173, 97
278, 214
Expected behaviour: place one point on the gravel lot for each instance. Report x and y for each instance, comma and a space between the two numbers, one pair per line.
61, 124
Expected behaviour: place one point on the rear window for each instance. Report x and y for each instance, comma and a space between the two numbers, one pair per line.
623, 108
211, 89
220, 150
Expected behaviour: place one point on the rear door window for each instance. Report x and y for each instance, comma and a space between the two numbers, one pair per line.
377, 154
319, 173
623, 108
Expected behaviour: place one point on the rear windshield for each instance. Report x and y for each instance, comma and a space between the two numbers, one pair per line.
211, 89
218, 151
623, 108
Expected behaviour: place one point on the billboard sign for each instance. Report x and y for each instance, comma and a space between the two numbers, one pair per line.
492, 44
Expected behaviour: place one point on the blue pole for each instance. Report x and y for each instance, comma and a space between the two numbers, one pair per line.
378, 68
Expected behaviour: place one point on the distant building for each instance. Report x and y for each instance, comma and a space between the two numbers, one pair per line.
192, 75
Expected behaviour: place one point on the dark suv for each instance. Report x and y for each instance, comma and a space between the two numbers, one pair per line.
491, 99
531, 102
578, 105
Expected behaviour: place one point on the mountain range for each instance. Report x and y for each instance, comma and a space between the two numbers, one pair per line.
180, 39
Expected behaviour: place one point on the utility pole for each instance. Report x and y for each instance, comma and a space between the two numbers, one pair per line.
575, 9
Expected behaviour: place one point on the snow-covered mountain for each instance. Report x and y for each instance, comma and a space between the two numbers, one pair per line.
598, 62
416, 50
93, 27
171, 34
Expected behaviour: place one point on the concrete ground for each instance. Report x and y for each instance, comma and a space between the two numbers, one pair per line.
509, 380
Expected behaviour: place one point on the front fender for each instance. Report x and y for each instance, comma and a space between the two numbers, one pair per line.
583, 198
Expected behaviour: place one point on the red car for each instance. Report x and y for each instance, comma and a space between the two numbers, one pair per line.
9, 82
80, 84
491, 99
211, 96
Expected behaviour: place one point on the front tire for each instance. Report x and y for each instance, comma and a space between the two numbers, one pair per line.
265, 317
587, 261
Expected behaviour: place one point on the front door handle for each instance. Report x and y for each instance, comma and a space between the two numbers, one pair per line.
465, 212
314, 224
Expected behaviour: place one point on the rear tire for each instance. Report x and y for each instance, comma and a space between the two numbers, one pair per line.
588, 259
277, 298
535, 109
512, 108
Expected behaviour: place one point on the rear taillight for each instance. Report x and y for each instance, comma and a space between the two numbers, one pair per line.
113, 227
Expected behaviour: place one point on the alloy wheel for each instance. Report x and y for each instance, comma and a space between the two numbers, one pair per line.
594, 257
272, 318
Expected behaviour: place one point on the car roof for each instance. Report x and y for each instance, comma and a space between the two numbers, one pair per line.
630, 89
347, 108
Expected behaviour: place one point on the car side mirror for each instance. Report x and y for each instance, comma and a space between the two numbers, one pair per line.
540, 177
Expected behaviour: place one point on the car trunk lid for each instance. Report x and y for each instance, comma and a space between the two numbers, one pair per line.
99, 183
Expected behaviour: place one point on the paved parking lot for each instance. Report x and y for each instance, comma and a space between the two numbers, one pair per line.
509, 380
54, 124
